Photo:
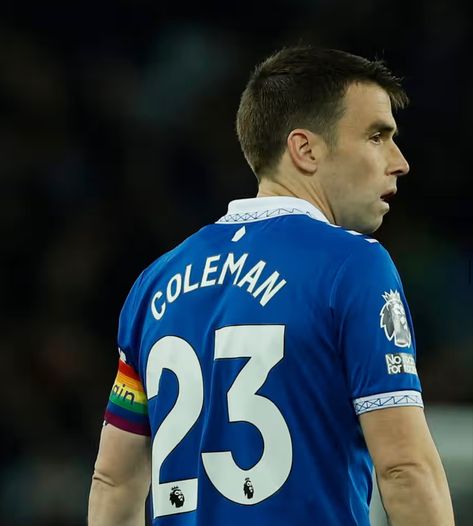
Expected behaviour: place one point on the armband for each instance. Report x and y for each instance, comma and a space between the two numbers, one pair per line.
127, 407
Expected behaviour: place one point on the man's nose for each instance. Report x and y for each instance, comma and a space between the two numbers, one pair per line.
398, 166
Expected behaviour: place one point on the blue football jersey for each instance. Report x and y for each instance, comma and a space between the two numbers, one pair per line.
258, 342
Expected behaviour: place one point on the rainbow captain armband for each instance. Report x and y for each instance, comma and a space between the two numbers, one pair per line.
127, 407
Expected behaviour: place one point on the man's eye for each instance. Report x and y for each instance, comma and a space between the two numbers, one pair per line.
376, 138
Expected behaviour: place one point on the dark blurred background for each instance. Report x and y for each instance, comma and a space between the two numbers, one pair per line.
117, 141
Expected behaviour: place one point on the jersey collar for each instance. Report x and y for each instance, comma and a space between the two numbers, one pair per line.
260, 208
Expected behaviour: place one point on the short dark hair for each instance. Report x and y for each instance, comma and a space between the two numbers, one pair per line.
302, 87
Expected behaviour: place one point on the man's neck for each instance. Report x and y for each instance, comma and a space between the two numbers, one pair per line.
269, 188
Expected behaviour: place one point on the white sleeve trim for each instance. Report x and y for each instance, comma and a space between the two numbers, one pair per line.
383, 400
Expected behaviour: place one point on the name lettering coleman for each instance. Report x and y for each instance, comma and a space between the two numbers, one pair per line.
215, 272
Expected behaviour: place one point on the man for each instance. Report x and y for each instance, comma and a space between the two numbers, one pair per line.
269, 359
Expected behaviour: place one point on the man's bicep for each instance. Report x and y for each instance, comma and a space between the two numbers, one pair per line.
124, 451
123, 457
122, 474
397, 437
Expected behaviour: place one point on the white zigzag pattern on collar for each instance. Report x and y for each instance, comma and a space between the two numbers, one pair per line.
265, 214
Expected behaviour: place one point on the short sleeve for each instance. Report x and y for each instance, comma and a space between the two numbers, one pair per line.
375, 333
129, 326
127, 407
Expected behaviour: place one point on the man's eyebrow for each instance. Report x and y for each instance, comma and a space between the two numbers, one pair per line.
383, 127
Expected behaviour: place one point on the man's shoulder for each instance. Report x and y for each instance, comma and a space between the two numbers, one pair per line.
299, 237
289, 234
338, 240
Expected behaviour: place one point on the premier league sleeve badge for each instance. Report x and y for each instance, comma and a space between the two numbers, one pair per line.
393, 320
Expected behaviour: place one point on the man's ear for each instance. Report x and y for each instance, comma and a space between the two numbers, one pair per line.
304, 148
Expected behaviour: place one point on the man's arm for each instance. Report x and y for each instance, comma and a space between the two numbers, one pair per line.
410, 475
121, 479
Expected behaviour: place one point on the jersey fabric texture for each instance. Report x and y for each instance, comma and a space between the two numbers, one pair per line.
258, 341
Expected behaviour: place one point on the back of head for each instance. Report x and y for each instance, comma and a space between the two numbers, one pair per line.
302, 87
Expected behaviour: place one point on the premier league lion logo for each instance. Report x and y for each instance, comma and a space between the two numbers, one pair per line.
176, 497
248, 488
394, 320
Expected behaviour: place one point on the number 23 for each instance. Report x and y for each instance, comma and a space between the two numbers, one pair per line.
264, 345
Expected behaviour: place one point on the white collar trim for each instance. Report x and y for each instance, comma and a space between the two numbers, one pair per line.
260, 208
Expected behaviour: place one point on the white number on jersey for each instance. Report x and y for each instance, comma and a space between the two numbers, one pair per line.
264, 345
